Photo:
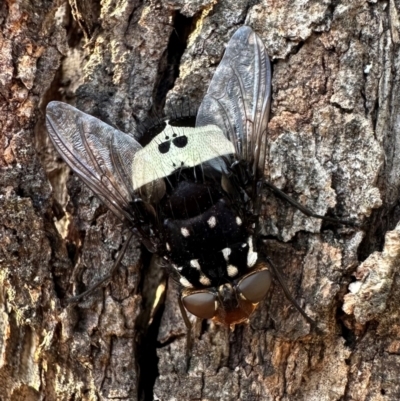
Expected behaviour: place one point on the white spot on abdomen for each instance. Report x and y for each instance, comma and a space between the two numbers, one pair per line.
204, 280
185, 232
251, 258
176, 267
232, 270
226, 252
238, 221
185, 282
251, 255
167, 246
212, 221
195, 263
250, 242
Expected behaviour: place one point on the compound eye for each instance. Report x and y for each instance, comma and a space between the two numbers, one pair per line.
255, 286
200, 304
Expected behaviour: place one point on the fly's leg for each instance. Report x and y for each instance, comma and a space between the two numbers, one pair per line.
305, 210
106, 278
188, 324
290, 298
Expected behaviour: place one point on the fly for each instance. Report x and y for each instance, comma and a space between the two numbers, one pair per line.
192, 194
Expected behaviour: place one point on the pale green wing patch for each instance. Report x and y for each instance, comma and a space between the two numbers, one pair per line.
178, 147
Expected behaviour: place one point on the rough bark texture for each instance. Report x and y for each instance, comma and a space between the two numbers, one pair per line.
334, 144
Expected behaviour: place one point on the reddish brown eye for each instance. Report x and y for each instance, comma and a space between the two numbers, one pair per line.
200, 304
255, 286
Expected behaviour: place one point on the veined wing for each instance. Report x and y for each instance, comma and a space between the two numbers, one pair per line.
238, 99
100, 154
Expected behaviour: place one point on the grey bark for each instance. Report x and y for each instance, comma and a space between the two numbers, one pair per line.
333, 144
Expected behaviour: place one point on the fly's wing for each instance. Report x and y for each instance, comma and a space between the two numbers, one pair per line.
238, 99
100, 154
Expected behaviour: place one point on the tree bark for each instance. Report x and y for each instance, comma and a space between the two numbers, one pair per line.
333, 144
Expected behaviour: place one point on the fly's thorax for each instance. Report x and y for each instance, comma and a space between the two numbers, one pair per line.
176, 148
187, 198
230, 303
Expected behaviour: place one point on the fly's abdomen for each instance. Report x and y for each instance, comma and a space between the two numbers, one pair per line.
209, 249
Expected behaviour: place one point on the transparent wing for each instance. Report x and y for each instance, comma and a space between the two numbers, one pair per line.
238, 99
100, 154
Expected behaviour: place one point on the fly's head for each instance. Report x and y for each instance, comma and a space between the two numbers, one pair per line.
230, 303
